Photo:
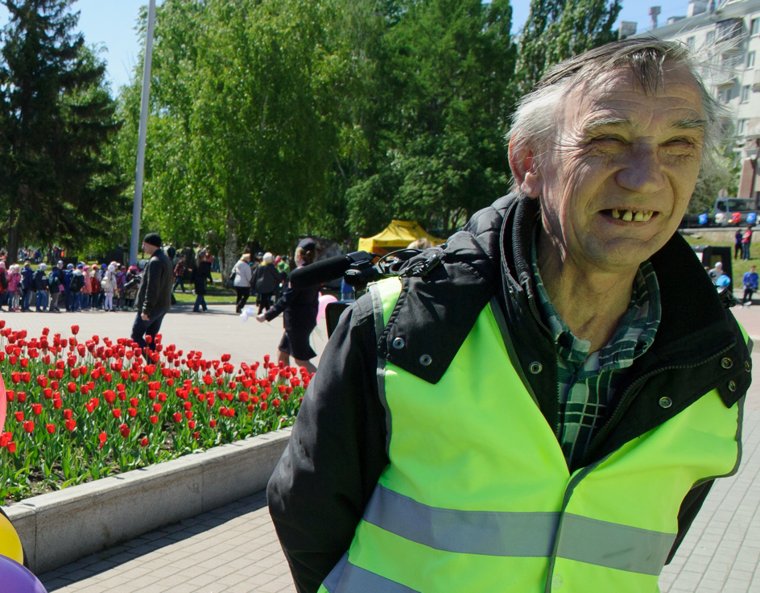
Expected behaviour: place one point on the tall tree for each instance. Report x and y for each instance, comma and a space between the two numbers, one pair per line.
558, 29
58, 179
448, 65
242, 128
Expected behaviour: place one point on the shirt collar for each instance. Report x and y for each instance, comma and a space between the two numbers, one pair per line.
635, 332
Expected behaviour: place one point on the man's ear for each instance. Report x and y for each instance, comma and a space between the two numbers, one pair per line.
523, 164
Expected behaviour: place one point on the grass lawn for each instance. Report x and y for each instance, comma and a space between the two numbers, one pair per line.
739, 266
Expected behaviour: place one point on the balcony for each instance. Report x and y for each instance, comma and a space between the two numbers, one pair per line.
730, 32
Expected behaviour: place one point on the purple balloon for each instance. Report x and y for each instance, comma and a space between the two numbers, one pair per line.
15, 578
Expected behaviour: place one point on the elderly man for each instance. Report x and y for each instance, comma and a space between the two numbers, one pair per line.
543, 403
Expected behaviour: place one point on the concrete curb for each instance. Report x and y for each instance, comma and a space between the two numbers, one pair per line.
59, 527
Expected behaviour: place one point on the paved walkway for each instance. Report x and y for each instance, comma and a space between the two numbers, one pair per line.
234, 549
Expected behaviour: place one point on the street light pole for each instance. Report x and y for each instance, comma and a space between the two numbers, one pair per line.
142, 132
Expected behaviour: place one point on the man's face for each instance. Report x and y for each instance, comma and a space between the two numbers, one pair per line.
616, 182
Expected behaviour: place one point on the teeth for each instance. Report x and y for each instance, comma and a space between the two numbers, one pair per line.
632, 216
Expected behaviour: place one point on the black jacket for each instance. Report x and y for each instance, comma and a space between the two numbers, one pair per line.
154, 296
319, 489
39, 281
265, 279
201, 274
299, 308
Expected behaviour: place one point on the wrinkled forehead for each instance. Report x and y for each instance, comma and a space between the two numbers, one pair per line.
669, 79
623, 93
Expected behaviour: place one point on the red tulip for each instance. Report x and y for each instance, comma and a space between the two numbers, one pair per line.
102, 439
50, 428
75, 329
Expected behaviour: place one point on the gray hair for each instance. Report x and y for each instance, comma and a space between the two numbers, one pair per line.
535, 120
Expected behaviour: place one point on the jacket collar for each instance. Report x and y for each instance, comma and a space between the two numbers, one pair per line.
489, 258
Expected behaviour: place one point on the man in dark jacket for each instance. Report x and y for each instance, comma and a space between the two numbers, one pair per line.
27, 285
40, 285
545, 401
154, 295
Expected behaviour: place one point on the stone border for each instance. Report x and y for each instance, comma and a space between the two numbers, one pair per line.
59, 527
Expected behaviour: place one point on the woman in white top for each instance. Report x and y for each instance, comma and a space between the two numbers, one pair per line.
242, 282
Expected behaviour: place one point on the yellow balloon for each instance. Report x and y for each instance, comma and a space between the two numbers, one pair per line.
10, 543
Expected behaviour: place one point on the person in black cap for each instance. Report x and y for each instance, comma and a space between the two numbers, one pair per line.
154, 295
299, 307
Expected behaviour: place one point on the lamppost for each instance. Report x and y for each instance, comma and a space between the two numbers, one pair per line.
142, 132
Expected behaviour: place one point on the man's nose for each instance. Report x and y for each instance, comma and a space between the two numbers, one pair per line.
642, 170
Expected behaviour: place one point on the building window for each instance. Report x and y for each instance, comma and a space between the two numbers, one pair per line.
741, 127
754, 26
751, 59
690, 43
745, 93
724, 95
710, 38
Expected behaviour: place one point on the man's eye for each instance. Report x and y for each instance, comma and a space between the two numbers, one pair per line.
680, 142
608, 140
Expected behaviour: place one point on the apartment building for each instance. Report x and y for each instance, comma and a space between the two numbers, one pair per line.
727, 36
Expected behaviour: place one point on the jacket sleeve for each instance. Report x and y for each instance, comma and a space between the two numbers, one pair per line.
280, 304
335, 455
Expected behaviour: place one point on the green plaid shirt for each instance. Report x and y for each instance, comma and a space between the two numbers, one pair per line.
587, 382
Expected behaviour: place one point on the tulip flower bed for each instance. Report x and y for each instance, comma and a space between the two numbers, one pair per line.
82, 410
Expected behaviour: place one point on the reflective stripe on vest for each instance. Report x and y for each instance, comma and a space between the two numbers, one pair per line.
478, 497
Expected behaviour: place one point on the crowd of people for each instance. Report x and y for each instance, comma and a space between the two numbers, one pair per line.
69, 287
34, 285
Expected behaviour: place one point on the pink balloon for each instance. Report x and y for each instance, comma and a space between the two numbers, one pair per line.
3, 403
324, 300
15, 578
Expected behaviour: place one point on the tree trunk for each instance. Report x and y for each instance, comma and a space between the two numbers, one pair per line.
230, 251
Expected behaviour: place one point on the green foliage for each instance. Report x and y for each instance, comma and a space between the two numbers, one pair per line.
557, 30
242, 133
58, 176
446, 67
275, 118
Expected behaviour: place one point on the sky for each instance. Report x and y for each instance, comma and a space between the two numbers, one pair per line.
110, 24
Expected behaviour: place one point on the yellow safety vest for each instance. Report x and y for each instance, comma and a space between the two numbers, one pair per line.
478, 497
